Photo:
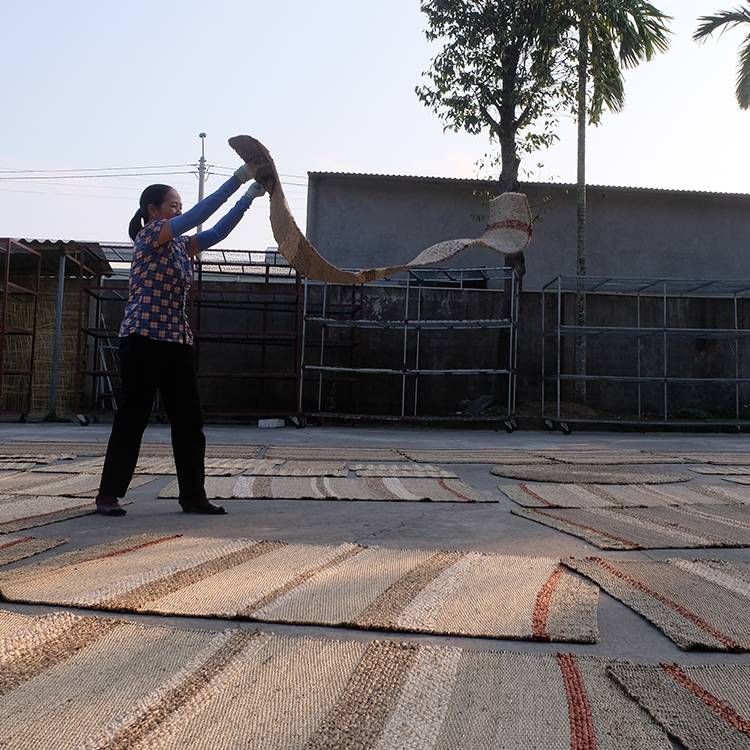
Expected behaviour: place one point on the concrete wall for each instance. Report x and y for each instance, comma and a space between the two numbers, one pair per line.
362, 221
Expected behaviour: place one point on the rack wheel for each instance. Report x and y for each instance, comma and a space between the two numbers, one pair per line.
83, 420
299, 422
565, 428
509, 427
549, 424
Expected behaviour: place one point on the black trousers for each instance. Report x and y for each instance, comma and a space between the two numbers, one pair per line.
145, 367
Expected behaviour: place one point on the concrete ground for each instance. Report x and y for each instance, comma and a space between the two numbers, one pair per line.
483, 527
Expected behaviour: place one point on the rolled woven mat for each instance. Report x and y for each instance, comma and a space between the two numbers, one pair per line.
697, 603
590, 475
704, 707
509, 230
14, 547
682, 527
427, 591
71, 682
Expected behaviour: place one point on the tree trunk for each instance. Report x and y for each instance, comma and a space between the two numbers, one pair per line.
581, 109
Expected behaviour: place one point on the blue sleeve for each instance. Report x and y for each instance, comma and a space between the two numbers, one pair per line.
203, 209
220, 231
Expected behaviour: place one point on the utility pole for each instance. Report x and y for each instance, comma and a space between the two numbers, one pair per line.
201, 171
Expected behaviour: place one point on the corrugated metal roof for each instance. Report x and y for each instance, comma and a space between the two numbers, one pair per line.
493, 183
94, 257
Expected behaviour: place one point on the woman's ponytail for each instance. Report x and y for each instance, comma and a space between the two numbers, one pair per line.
136, 224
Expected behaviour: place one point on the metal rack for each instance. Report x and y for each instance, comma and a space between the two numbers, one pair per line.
244, 306
644, 344
345, 333
18, 263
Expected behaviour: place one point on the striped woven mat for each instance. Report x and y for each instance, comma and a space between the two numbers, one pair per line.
696, 603
325, 453
72, 682
735, 458
690, 526
459, 593
705, 707
66, 449
63, 485
471, 456
19, 512
606, 457
552, 495
590, 474
720, 470
162, 466
15, 547
401, 470
334, 488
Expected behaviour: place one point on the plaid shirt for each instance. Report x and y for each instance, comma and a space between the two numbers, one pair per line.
160, 278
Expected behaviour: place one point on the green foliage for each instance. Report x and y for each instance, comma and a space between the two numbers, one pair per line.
501, 70
721, 22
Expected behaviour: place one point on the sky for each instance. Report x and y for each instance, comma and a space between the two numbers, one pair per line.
327, 86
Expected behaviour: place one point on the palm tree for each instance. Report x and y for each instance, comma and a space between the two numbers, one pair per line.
612, 35
724, 20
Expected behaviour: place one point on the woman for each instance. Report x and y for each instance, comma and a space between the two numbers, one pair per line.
156, 343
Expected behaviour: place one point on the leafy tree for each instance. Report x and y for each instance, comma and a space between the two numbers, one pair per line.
501, 71
722, 21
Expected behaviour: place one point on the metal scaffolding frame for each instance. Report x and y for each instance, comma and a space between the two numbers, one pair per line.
348, 316
262, 283
10, 249
557, 332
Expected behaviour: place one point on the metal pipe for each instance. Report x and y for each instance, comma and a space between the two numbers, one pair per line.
57, 341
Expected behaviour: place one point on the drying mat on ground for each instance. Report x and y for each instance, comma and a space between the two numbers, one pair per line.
690, 526
276, 467
721, 470
704, 707
76, 682
594, 475
325, 453
738, 458
334, 488
19, 512
609, 457
72, 449
401, 470
696, 603
545, 495
737, 480
81, 485
471, 456
17, 465
163, 466
16, 547
459, 593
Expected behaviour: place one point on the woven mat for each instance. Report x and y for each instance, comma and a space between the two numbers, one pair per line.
334, 488
157, 465
604, 457
18, 512
325, 453
546, 495
691, 526
66, 449
401, 470
592, 475
64, 485
696, 603
17, 465
279, 468
721, 470
76, 682
17, 547
461, 593
736, 458
471, 456
705, 707
737, 480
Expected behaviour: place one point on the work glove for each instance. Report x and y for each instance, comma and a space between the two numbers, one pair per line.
255, 191
244, 174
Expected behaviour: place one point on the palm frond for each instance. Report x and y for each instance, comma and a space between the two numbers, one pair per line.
743, 76
722, 21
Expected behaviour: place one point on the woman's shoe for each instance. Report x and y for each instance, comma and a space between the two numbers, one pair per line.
201, 506
108, 506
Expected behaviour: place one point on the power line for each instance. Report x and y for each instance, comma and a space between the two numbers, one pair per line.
88, 176
66, 195
96, 169
281, 174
